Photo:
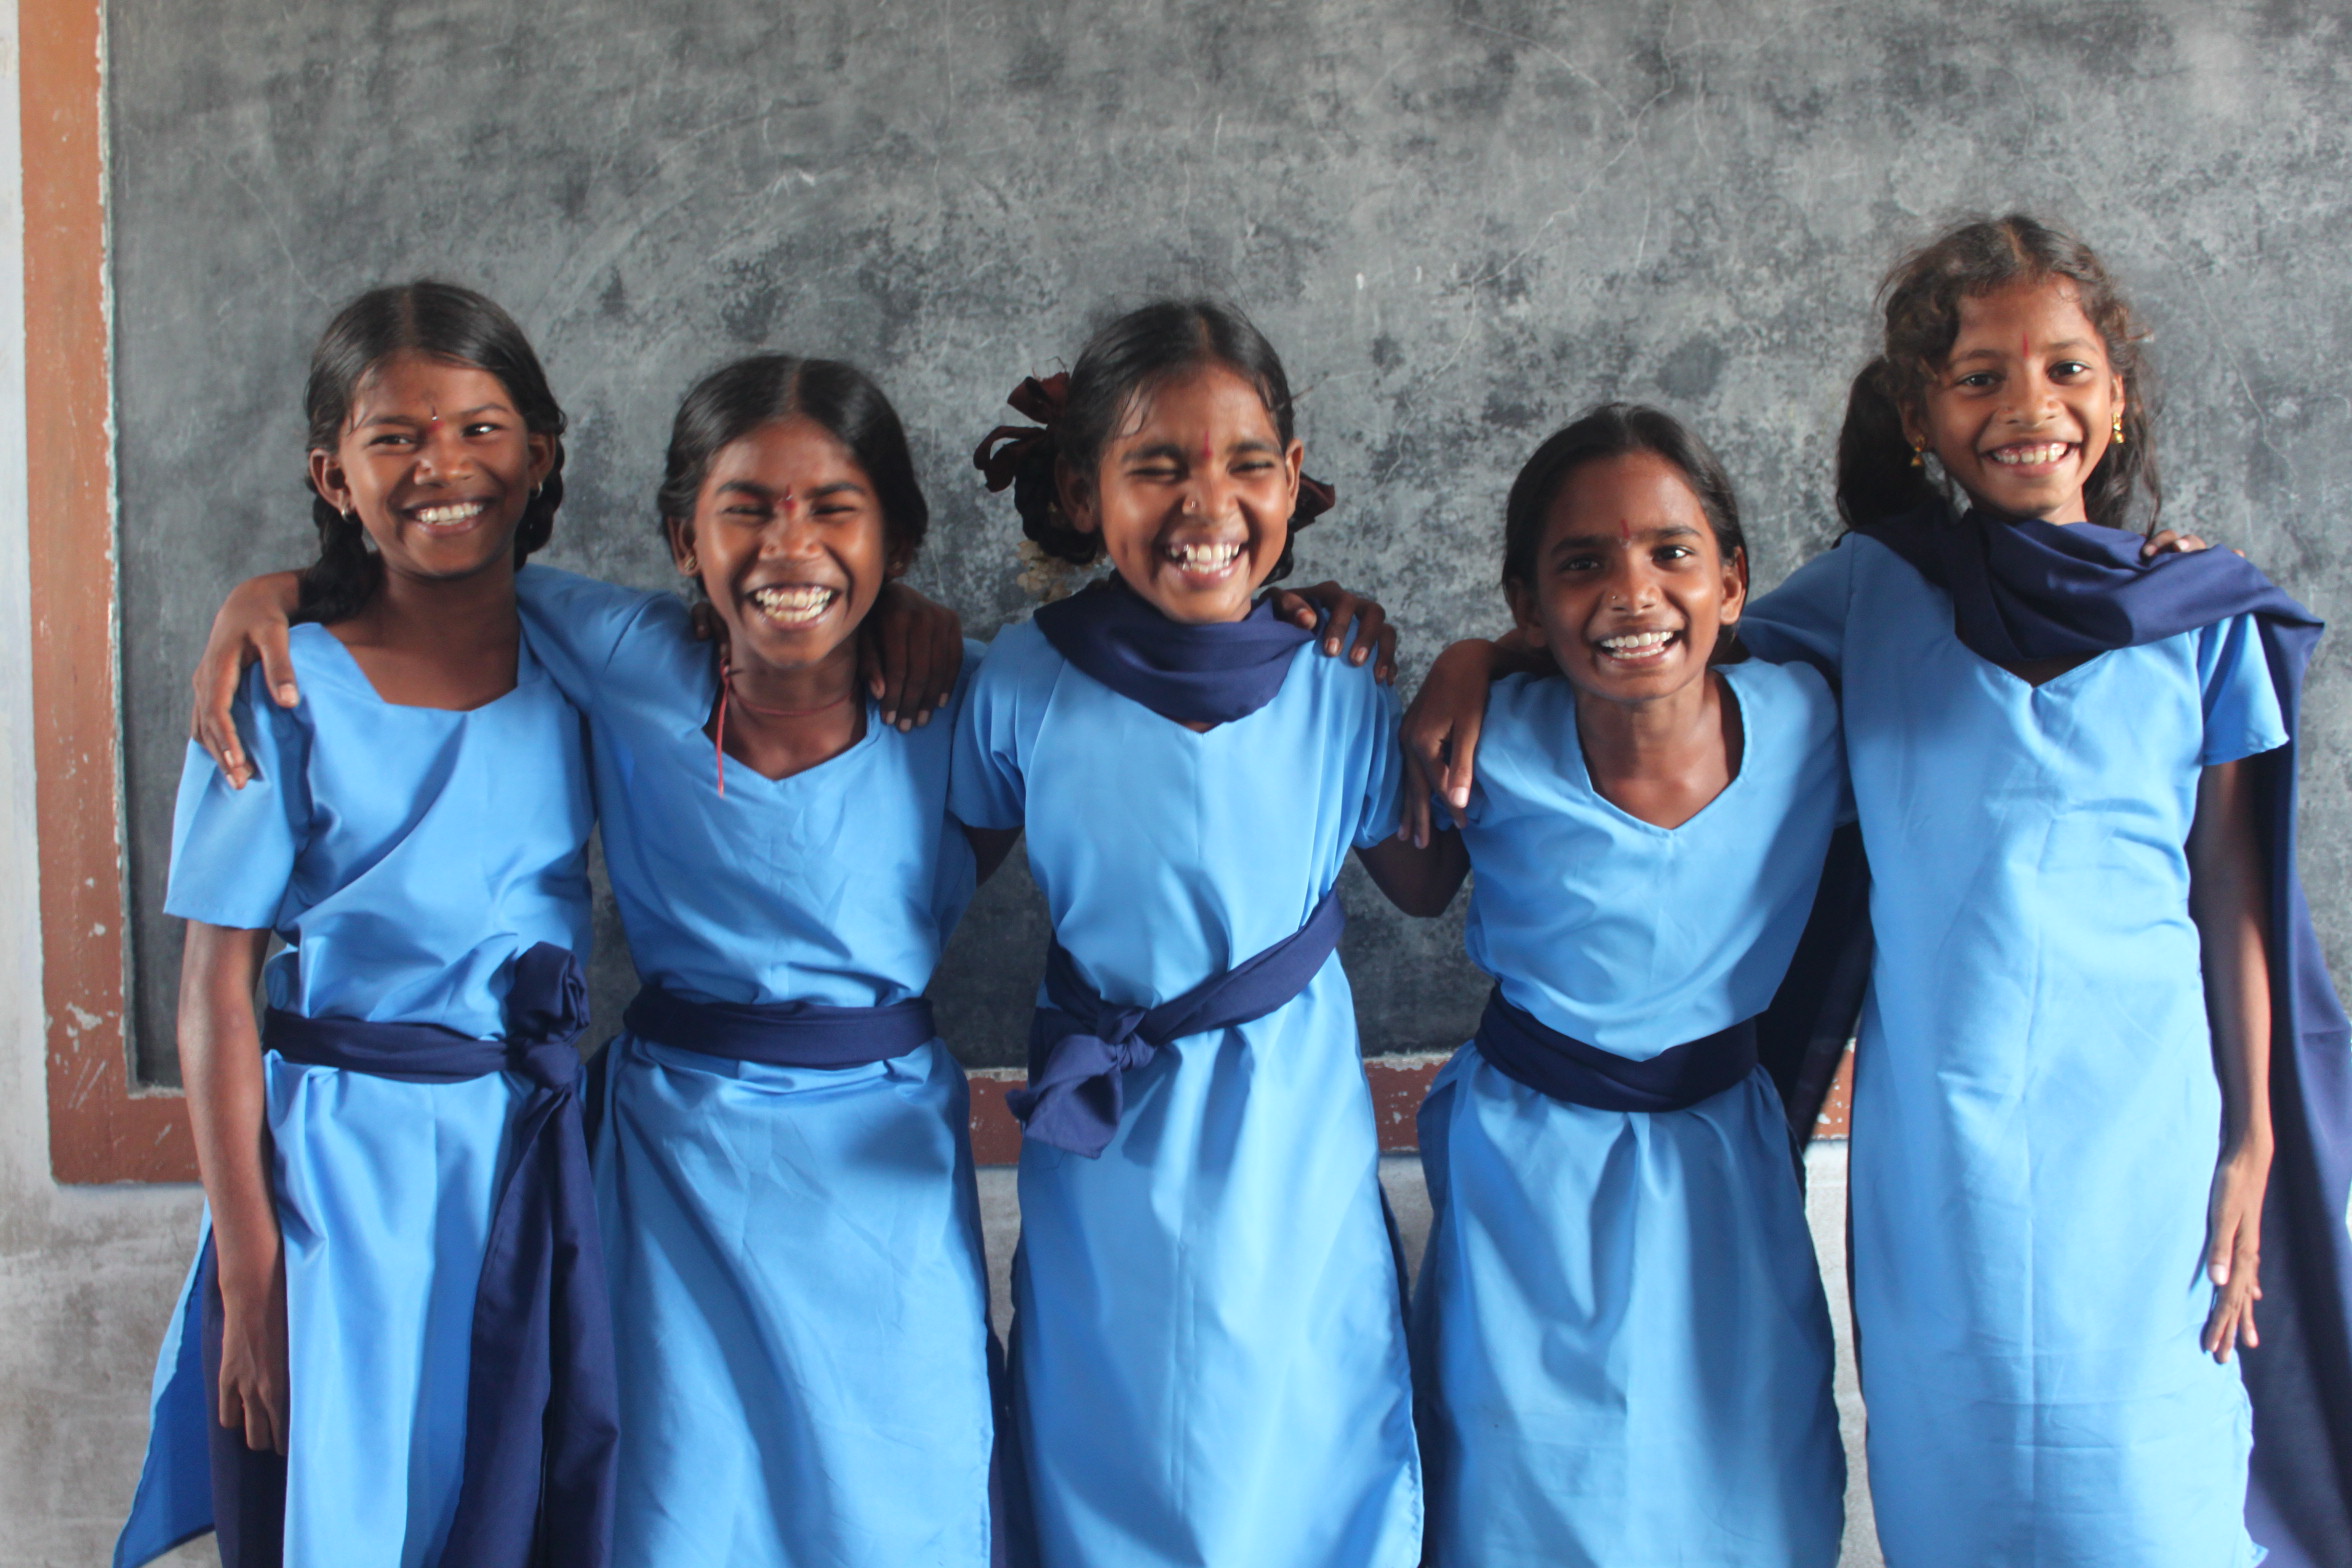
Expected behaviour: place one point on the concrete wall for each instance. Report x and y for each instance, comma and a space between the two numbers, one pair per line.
1460, 221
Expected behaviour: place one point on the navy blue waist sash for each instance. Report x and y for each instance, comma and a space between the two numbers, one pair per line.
1080, 1045
542, 1399
1535, 1054
781, 1034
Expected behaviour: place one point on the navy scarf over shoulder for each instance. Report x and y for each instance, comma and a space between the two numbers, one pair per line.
542, 1396
1210, 674
2036, 590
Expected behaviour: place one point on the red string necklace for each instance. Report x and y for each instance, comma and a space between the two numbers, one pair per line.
727, 690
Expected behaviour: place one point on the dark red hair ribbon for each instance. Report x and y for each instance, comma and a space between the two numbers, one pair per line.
1002, 451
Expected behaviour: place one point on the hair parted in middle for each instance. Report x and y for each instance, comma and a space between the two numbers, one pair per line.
1919, 299
1084, 411
736, 399
1601, 432
442, 321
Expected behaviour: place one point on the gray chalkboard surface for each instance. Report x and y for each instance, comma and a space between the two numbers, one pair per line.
1460, 223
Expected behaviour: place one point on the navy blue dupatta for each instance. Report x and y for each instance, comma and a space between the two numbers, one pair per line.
2036, 590
542, 1398
1209, 674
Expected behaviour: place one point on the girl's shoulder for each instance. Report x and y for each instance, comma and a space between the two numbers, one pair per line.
1018, 658
1782, 694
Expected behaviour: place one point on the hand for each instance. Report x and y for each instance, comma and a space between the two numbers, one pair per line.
2233, 1250
910, 655
1440, 734
253, 1376
251, 625
2165, 542
1345, 611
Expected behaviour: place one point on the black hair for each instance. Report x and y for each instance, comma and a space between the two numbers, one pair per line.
1877, 475
1602, 432
736, 399
444, 322
1122, 362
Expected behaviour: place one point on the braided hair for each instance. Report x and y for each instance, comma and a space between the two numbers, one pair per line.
1920, 299
1122, 362
442, 321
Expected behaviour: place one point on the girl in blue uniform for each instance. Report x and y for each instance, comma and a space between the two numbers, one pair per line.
1622, 1352
1209, 1363
2070, 771
788, 1199
790, 1216
393, 1350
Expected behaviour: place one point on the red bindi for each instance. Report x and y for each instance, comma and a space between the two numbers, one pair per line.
1208, 452
1625, 533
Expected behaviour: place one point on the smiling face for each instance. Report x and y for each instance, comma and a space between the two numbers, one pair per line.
789, 541
2024, 407
1630, 592
438, 465
1192, 497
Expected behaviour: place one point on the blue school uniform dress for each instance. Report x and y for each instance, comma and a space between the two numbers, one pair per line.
1622, 1352
2036, 1116
799, 1298
410, 858
1209, 1362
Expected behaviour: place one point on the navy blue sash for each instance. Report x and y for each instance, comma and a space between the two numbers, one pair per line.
542, 1397
1210, 674
1524, 1048
2038, 590
781, 1034
1079, 1044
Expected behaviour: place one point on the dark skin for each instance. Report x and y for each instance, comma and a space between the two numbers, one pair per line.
438, 466
2025, 408
791, 548
1629, 599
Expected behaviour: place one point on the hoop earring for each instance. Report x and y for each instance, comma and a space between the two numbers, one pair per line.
2119, 436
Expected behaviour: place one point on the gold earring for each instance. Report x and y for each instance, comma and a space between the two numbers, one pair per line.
2119, 427
690, 566
1919, 456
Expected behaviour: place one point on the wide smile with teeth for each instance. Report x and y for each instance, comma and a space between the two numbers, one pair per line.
796, 605
451, 515
2038, 454
1638, 647
1203, 560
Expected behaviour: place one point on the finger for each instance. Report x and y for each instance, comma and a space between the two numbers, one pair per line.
1294, 608
870, 665
277, 663
1413, 817
897, 652
1385, 671
925, 685
1371, 625
1345, 610
258, 1435
948, 664
1461, 767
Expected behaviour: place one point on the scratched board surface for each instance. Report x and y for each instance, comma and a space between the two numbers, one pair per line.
1460, 224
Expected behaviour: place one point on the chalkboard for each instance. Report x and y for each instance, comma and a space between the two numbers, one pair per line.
1460, 223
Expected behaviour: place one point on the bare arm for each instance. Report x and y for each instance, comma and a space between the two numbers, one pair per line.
2229, 900
220, 1059
1441, 728
1420, 879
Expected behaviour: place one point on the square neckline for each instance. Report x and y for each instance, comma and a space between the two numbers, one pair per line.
528, 672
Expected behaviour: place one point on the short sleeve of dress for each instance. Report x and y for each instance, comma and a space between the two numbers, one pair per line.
233, 850
1805, 617
1384, 776
2242, 713
986, 785
576, 624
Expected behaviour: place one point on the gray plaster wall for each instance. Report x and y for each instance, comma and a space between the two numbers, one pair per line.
1461, 223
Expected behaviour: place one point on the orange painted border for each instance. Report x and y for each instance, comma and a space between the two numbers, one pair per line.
100, 1128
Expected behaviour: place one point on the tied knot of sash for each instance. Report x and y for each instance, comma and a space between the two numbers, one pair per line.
1081, 1046
542, 1392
